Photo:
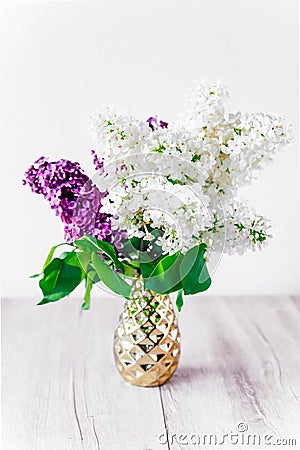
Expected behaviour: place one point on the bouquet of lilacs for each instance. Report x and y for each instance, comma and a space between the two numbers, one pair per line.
164, 197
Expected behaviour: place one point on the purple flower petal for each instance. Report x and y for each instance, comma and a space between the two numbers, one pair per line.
154, 124
73, 197
163, 124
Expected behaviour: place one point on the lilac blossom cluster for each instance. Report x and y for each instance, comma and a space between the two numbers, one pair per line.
183, 177
73, 197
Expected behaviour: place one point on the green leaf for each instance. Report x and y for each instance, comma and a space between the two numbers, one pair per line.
84, 258
194, 274
90, 244
134, 242
128, 271
131, 249
165, 278
48, 259
238, 131
147, 268
110, 278
179, 299
172, 180
93, 276
61, 277
87, 244
142, 254
88, 288
50, 255
36, 275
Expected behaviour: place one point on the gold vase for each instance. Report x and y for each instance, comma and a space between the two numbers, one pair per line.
147, 339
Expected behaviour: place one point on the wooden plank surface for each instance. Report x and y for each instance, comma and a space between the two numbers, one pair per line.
60, 390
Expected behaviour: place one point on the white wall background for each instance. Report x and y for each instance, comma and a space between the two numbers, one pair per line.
59, 61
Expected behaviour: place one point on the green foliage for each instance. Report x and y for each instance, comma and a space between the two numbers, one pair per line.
50, 255
173, 181
165, 277
93, 260
110, 278
140, 255
90, 244
160, 149
88, 288
179, 299
193, 271
238, 131
196, 158
60, 277
48, 259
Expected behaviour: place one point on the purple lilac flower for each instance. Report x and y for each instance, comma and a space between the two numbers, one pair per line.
154, 124
163, 124
118, 237
87, 217
74, 198
59, 182
99, 164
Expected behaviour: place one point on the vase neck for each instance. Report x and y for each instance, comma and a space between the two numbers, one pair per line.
138, 290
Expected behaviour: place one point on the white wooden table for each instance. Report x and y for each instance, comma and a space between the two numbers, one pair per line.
240, 364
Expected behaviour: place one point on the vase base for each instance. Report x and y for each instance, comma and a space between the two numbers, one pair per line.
150, 379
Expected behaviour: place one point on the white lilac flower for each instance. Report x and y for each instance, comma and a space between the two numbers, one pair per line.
182, 178
117, 132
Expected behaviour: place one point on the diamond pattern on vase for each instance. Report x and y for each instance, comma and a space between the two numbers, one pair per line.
147, 339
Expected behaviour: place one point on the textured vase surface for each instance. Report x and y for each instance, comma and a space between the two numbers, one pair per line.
147, 339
